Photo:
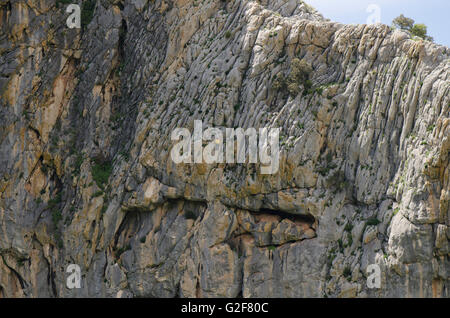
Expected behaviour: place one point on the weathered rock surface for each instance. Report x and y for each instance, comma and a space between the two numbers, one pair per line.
86, 176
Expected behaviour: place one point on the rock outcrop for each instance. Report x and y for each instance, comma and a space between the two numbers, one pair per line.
86, 175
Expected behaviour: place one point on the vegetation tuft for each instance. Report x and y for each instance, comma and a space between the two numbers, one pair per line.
87, 12
101, 170
298, 76
408, 24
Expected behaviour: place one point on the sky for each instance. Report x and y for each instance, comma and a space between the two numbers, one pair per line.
433, 13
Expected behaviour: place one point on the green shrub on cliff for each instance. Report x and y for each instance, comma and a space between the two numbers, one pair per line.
101, 170
298, 76
416, 29
87, 12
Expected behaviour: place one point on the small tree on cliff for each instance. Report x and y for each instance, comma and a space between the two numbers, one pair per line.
403, 22
408, 24
420, 30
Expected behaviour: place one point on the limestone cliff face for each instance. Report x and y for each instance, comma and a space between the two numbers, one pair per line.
86, 176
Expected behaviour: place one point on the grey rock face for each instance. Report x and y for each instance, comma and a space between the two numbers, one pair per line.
86, 175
